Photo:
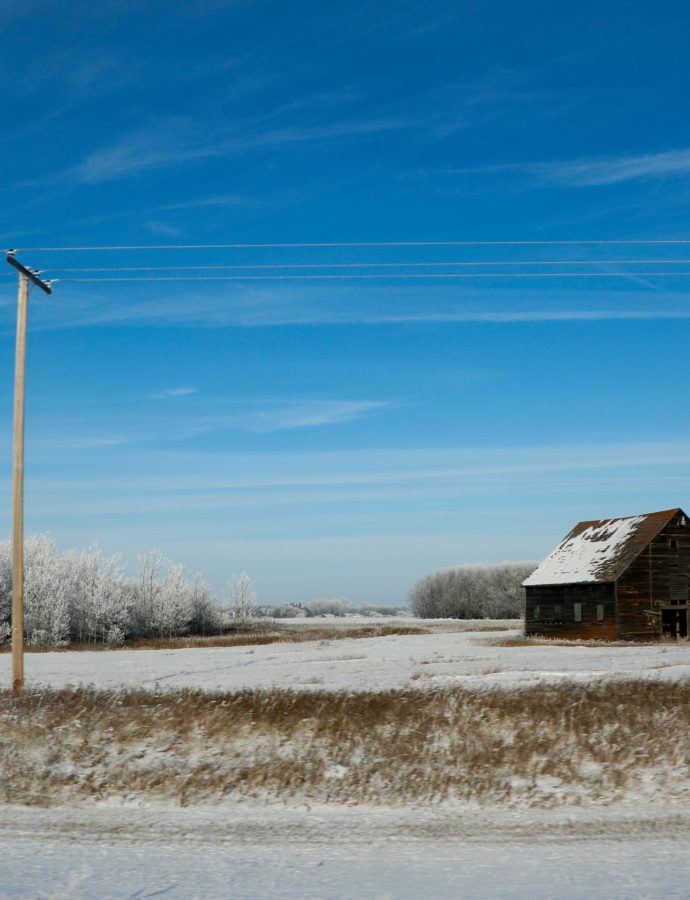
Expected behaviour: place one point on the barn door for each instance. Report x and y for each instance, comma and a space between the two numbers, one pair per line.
674, 622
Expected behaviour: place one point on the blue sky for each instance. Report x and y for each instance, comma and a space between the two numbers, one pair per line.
344, 436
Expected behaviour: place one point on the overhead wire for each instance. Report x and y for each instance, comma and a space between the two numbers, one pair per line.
335, 244
372, 276
342, 271
373, 265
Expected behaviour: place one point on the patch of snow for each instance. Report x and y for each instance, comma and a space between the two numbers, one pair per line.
582, 558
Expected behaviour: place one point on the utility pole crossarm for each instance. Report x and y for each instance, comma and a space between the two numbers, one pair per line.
31, 274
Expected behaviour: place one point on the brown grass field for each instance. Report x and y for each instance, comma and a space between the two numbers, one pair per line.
248, 637
546, 745
260, 633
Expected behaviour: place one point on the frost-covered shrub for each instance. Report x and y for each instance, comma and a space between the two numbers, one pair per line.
472, 592
287, 611
328, 606
371, 609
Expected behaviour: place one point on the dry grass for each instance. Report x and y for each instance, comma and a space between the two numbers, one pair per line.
544, 745
253, 636
522, 641
272, 632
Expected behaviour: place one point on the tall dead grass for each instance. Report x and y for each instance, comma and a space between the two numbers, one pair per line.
245, 637
541, 746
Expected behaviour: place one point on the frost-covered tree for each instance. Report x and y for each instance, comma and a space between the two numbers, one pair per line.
84, 596
175, 606
99, 605
46, 608
206, 613
5, 590
472, 592
145, 591
162, 596
242, 598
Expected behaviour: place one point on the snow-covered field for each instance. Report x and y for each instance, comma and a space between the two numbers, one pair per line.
606, 837
342, 853
462, 659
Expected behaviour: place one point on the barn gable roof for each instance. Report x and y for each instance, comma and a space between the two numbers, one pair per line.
600, 551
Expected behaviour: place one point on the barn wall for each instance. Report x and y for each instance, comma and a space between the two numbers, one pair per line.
657, 578
549, 597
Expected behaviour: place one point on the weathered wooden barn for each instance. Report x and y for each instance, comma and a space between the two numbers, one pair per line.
614, 579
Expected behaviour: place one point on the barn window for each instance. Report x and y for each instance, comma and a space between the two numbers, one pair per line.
600, 612
558, 612
673, 544
577, 612
536, 613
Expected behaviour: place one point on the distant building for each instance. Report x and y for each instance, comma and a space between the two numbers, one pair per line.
614, 579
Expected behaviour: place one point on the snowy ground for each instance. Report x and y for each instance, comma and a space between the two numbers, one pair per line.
465, 659
241, 850
350, 853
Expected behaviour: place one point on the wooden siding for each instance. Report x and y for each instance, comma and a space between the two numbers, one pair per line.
658, 578
550, 597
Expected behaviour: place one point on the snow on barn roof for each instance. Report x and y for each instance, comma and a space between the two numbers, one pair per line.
600, 550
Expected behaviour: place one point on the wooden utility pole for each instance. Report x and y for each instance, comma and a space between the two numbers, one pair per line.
18, 490
26, 277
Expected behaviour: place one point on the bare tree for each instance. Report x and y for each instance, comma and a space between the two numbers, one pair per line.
242, 598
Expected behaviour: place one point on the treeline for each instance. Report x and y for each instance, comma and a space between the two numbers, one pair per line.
327, 606
84, 596
472, 592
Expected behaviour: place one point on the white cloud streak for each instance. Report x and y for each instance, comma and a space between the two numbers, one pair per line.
412, 481
257, 416
311, 414
596, 171
266, 310
174, 142
614, 170
171, 393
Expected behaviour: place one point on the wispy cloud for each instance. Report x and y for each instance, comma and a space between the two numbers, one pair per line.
162, 228
171, 393
216, 416
310, 414
319, 100
595, 171
168, 142
285, 306
219, 200
507, 317
174, 142
225, 471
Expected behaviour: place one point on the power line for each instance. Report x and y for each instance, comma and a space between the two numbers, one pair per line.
377, 265
391, 276
327, 244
